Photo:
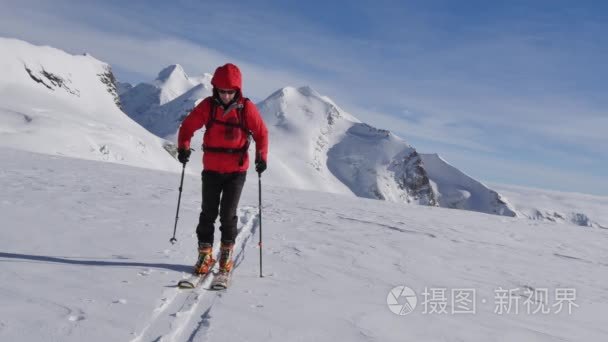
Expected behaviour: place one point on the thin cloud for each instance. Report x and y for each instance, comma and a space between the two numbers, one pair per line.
144, 56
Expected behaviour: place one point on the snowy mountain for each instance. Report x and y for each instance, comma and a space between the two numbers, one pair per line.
172, 82
457, 190
318, 146
321, 147
123, 87
559, 207
56, 103
326, 143
161, 105
94, 264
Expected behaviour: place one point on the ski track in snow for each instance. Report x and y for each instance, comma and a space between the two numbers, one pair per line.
175, 317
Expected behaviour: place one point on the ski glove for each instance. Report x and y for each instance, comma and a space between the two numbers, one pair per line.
183, 155
260, 165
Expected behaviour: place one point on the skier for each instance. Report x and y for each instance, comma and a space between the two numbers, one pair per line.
230, 120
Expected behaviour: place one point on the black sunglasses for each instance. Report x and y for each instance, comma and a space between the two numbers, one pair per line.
230, 92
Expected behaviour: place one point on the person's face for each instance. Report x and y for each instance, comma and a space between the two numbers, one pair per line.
226, 95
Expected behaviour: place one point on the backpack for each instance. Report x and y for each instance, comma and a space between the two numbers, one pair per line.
240, 125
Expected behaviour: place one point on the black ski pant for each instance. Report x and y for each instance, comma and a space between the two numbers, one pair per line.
221, 195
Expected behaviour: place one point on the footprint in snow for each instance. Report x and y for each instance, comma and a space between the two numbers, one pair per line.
76, 318
145, 273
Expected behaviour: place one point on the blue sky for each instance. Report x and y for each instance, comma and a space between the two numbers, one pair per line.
509, 92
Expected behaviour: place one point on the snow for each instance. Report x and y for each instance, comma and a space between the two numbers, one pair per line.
172, 82
459, 191
302, 128
164, 121
160, 106
321, 147
85, 255
69, 110
85, 252
556, 206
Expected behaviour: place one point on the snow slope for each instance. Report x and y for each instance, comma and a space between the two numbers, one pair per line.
56, 103
160, 106
172, 82
457, 190
318, 146
88, 258
555, 206
165, 120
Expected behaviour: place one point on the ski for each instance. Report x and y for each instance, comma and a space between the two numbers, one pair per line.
221, 280
194, 280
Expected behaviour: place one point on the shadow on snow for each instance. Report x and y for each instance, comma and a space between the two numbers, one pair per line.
72, 261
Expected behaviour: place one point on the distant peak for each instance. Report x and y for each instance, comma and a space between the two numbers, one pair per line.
308, 91
174, 70
204, 79
290, 91
93, 58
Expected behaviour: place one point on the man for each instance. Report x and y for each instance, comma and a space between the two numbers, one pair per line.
230, 120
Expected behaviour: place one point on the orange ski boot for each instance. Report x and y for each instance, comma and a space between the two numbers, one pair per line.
205, 259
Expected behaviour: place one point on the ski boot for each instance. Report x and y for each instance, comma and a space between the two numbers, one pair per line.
222, 278
226, 261
205, 259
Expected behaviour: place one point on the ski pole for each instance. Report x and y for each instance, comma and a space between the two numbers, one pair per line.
260, 213
173, 240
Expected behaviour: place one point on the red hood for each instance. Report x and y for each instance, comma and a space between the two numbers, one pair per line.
227, 76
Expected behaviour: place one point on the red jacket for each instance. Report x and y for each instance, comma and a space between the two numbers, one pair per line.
225, 77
